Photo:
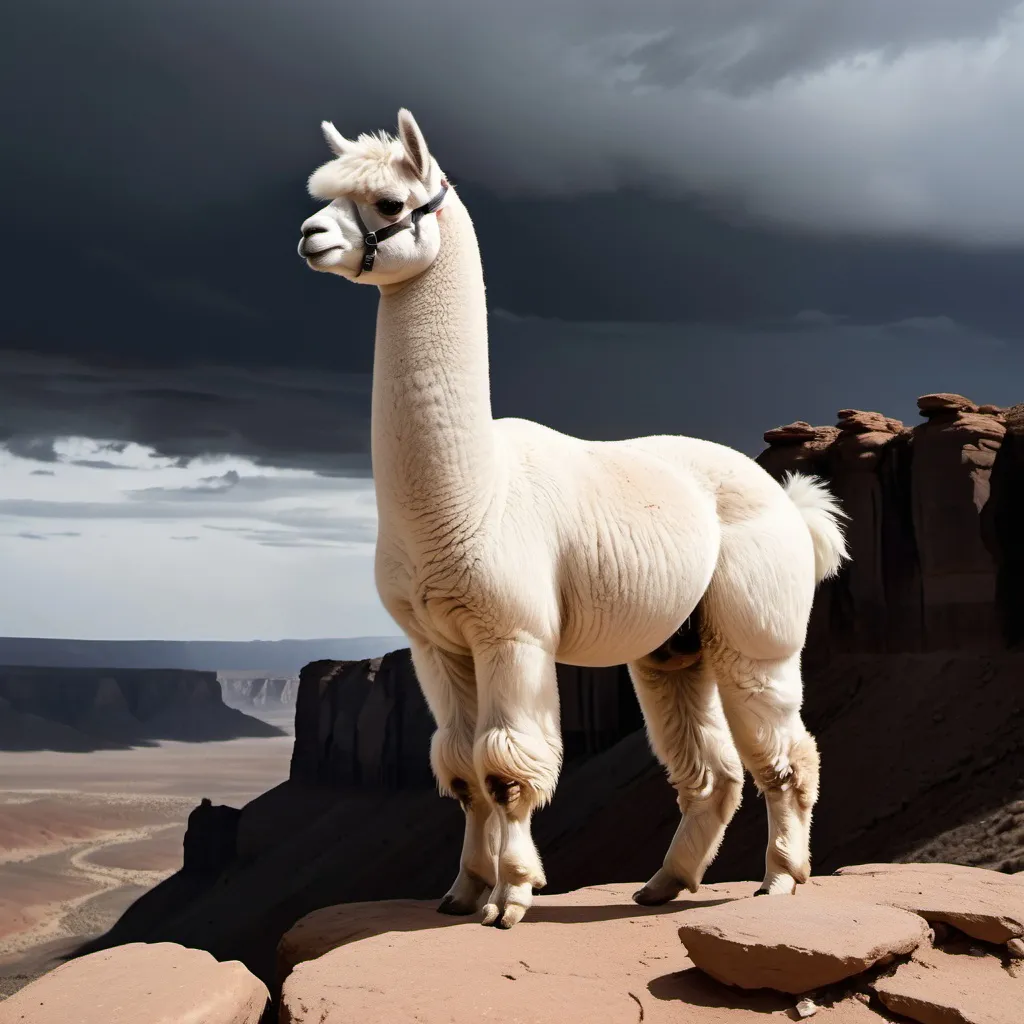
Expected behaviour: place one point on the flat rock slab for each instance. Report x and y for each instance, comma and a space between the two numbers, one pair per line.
141, 983
986, 905
797, 943
590, 955
939, 988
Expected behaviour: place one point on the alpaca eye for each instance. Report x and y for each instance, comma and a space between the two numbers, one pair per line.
389, 207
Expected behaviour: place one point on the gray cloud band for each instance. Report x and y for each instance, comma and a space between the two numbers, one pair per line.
856, 115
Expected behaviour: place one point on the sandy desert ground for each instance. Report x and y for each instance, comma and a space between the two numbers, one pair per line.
84, 835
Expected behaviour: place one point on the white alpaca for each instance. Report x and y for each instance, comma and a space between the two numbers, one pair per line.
505, 547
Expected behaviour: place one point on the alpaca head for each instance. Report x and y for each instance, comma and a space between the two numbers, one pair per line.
373, 183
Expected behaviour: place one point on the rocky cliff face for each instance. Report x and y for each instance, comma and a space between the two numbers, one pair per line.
366, 722
263, 692
934, 553
85, 709
1002, 520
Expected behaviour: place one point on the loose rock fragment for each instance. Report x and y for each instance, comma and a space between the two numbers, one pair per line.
941, 988
796, 944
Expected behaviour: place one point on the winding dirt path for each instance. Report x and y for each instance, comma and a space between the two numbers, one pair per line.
53, 920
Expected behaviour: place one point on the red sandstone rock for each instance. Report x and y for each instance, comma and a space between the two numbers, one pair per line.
796, 944
986, 905
992, 410
1001, 522
802, 448
141, 983
855, 421
944, 404
938, 988
796, 447
953, 454
590, 955
854, 468
792, 433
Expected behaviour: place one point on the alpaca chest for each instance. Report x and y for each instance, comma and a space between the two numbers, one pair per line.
426, 601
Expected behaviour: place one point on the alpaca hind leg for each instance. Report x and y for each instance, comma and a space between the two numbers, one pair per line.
758, 606
762, 703
690, 737
449, 686
518, 755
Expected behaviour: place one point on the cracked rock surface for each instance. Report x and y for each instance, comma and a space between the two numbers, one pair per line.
590, 955
938, 987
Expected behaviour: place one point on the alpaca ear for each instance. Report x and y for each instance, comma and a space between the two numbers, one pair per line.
415, 145
338, 143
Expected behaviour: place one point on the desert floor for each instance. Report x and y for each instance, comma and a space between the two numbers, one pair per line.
82, 836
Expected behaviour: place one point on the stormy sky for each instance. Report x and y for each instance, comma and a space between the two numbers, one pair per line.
695, 217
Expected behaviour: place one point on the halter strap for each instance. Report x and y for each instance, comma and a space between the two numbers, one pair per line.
371, 239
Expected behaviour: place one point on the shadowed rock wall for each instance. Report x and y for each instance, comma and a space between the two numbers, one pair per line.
366, 722
936, 564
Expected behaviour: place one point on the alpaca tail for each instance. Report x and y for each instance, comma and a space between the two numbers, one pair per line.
823, 516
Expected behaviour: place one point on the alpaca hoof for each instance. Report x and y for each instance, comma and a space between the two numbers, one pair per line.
779, 885
507, 905
512, 915
647, 898
456, 907
505, 918
465, 895
662, 888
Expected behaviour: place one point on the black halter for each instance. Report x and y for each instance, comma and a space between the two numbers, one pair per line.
371, 239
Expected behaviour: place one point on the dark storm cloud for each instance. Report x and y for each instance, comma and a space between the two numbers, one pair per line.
620, 162
155, 163
187, 104
730, 385
277, 417
40, 449
750, 45
722, 382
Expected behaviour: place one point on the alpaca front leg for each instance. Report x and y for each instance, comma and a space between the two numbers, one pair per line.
449, 687
689, 735
517, 756
481, 842
762, 702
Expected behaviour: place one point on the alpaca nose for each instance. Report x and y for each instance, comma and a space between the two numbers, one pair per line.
310, 229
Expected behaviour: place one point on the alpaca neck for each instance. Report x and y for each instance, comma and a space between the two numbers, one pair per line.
432, 437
